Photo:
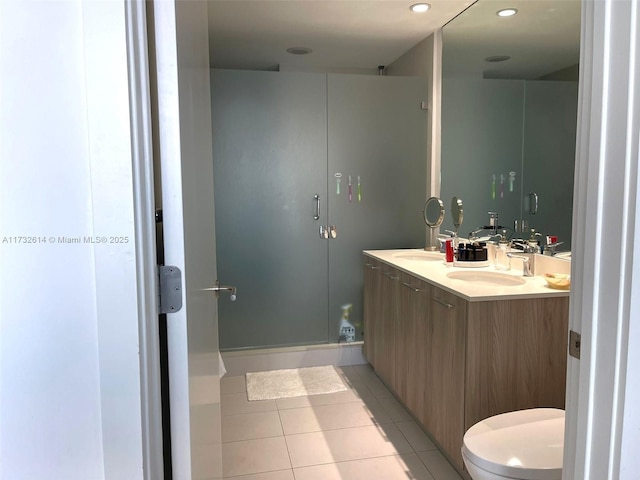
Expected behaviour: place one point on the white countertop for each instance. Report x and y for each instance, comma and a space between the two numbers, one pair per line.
430, 267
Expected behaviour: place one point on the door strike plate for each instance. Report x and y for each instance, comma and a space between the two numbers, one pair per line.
574, 344
169, 288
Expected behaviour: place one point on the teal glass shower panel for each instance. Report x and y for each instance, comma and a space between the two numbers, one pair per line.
270, 150
377, 132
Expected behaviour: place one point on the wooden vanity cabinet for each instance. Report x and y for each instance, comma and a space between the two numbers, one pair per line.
371, 308
381, 311
453, 362
444, 398
411, 343
387, 342
516, 356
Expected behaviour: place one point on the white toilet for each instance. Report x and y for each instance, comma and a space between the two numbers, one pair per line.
521, 445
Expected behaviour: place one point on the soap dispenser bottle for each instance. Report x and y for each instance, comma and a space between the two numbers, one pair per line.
503, 262
534, 245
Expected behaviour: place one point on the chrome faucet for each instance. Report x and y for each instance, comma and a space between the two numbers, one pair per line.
526, 264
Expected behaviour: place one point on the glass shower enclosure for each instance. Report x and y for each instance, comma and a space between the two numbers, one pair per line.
310, 169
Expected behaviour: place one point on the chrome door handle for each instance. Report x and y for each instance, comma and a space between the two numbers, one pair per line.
324, 232
317, 199
223, 288
333, 233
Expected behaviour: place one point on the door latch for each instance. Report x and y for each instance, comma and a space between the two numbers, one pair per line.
574, 344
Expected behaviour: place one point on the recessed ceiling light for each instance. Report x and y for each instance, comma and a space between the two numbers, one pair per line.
299, 50
497, 58
507, 12
420, 7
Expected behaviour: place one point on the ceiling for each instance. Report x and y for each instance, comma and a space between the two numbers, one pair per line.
348, 35
359, 35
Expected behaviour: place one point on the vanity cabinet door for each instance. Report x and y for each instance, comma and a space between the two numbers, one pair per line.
386, 362
516, 356
411, 354
445, 371
372, 310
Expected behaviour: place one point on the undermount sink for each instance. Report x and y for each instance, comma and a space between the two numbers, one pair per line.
494, 279
419, 256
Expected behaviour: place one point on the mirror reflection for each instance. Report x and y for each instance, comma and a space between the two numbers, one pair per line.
457, 213
509, 110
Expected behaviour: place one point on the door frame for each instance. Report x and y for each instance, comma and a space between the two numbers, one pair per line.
144, 213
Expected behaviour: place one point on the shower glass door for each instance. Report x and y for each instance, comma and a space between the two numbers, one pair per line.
270, 160
377, 138
280, 139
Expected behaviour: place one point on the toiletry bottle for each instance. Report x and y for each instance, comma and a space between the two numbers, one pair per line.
449, 252
503, 262
347, 330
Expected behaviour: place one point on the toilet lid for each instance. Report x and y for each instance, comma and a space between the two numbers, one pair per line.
526, 444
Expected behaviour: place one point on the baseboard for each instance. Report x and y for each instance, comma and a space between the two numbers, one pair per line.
258, 360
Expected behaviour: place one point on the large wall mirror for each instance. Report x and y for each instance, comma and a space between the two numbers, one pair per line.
509, 110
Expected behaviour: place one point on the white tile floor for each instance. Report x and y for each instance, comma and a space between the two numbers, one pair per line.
359, 434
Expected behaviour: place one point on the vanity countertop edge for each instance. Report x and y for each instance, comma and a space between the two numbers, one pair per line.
435, 272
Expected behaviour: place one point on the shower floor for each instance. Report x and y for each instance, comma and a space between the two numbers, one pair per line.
362, 433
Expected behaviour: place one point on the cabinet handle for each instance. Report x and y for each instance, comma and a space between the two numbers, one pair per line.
371, 266
411, 287
442, 302
391, 276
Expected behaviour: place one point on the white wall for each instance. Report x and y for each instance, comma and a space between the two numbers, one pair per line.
69, 364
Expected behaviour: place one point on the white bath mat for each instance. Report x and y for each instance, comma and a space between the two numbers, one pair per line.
294, 382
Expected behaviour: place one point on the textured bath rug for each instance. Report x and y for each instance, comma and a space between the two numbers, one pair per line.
294, 382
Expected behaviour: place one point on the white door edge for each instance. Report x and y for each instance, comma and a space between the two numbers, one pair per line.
601, 433
144, 214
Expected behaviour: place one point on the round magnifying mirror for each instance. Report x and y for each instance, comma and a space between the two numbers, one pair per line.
433, 212
456, 212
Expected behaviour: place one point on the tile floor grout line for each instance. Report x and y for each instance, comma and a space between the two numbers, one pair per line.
286, 444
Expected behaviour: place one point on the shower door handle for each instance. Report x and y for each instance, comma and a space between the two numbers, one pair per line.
223, 288
533, 203
316, 197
